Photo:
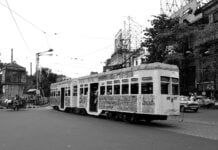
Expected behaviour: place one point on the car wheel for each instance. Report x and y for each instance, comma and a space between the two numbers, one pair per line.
196, 110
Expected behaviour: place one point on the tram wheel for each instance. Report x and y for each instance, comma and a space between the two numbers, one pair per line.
110, 115
124, 117
132, 118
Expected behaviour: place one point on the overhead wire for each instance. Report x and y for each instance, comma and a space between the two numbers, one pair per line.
26, 20
17, 26
35, 26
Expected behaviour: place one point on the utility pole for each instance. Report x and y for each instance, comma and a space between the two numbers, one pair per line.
37, 65
37, 71
12, 55
31, 69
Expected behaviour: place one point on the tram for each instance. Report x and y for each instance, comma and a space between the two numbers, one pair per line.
146, 92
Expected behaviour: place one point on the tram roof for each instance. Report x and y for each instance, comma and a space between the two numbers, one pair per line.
151, 66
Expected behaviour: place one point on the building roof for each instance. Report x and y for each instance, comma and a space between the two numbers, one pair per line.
14, 66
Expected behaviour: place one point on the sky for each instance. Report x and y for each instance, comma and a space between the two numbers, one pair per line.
81, 32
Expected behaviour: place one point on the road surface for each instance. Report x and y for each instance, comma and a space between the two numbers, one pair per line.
47, 129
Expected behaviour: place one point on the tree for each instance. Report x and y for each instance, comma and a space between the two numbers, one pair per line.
168, 41
47, 77
158, 37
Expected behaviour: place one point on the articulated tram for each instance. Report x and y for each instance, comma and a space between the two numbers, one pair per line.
148, 92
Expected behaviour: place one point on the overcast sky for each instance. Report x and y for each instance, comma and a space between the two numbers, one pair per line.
81, 32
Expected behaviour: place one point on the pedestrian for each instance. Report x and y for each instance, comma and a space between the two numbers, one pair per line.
16, 102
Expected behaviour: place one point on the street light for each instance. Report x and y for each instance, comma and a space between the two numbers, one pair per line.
37, 65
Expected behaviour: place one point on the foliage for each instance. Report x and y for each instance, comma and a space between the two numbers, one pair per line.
157, 37
168, 41
47, 77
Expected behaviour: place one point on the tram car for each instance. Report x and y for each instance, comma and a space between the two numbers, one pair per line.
146, 92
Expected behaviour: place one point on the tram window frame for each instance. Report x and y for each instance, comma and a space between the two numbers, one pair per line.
175, 86
102, 90
175, 89
68, 91
65, 91
123, 88
149, 86
86, 91
81, 91
75, 90
165, 85
134, 90
117, 88
56, 92
109, 90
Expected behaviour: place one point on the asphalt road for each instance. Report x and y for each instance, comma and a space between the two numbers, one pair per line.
46, 129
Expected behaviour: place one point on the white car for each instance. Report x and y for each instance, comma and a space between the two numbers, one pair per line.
187, 104
205, 101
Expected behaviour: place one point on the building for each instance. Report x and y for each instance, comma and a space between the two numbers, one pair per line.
205, 45
202, 67
127, 51
13, 80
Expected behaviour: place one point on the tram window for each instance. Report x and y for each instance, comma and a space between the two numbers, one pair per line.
125, 88
81, 91
68, 91
102, 90
59, 93
134, 88
65, 91
74, 90
116, 89
109, 90
86, 91
164, 88
147, 88
175, 89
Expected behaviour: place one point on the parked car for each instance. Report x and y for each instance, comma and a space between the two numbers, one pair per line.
205, 101
187, 104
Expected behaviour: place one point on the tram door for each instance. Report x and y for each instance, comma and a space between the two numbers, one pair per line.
62, 97
93, 99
